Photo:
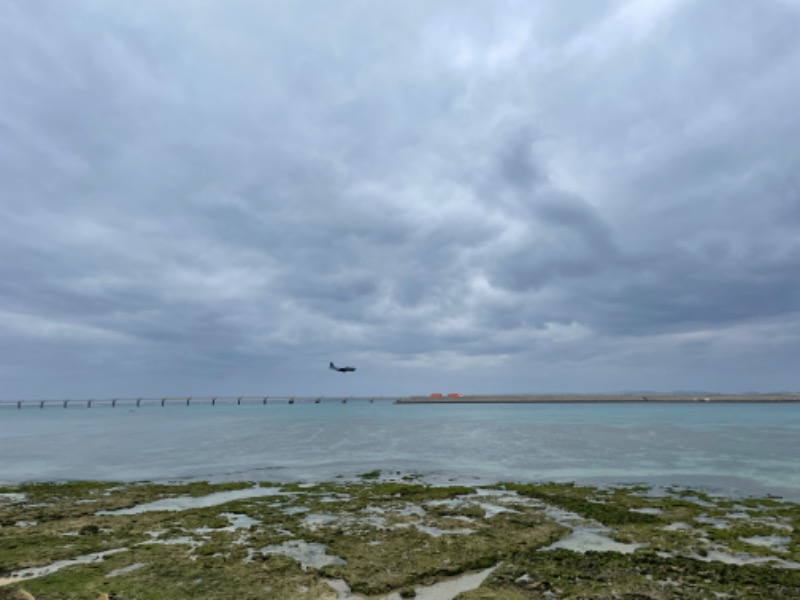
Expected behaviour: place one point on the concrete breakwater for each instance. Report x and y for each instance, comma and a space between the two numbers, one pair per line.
596, 398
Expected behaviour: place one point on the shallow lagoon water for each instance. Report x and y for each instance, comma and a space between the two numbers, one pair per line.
732, 448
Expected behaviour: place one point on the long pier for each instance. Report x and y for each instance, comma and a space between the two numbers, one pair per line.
596, 398
189, 401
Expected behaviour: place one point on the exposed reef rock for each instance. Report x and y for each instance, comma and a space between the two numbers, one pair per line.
379, 536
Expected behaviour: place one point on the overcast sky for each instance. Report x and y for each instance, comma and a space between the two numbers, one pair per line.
216, 197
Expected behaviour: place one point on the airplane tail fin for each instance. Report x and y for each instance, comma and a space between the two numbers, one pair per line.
333, 366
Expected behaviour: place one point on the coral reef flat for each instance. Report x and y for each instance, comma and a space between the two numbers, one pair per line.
392, 536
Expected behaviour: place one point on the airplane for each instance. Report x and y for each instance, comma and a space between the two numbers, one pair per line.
342, 369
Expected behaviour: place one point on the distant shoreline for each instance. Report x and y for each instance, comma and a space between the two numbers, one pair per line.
625, 398
600, 398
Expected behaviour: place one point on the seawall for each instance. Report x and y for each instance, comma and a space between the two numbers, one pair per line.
598, 398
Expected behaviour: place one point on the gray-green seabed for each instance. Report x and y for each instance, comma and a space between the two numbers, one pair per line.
382, 536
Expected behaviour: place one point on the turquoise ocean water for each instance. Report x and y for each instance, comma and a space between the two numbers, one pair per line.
731, 448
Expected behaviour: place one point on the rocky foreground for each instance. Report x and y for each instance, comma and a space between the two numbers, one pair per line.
392, 538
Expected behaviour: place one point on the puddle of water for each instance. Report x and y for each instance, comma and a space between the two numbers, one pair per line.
586, 534
490, 510
239, 521
26, 523
745, 559
444, 590
373, 515
738, 515
124, 570
12, 498
463, 518
307, 554
190, 502
584, 539
478, 499
295, 510
698, 501
655, 491
566, 518
718, 523
452, 503
315, 521
436, 531
775, 542
343, 591
184, 540
447, 590
376, 521
492, 492
411, 510
774, 523
32, 572
647, 511
335, 498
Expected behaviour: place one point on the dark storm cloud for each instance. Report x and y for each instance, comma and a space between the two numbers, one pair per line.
565, 239
216, 196
518, 165
682, 290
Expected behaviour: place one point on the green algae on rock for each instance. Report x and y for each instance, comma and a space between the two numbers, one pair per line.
643, 575
378, 536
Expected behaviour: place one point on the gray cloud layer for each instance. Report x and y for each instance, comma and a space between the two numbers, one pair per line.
219, 198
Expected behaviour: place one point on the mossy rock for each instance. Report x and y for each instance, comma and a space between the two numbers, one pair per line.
609, 575
387, 541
